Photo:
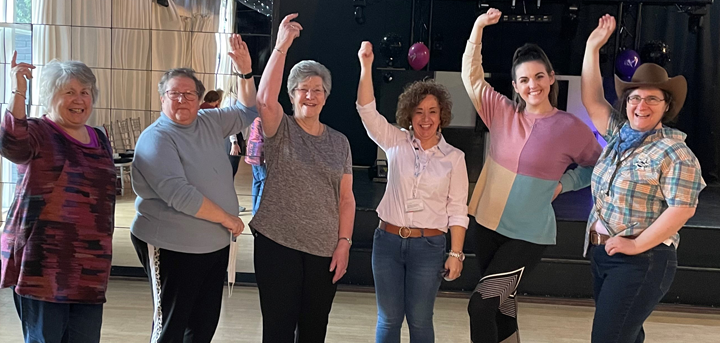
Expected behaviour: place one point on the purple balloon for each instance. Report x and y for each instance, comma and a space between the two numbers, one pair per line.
626, 63
418, 56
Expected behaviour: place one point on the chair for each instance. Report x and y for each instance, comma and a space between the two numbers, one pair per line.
136, 127
123, 163
124, 130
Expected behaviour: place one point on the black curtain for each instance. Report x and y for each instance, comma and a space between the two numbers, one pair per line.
697, 57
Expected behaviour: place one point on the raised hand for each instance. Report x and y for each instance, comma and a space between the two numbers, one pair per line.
240, 55
365, 54
601, 34
19, 74
491, 17
287, 32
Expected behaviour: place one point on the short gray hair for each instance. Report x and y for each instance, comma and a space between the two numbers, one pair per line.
181, 72
305, 69
56, 75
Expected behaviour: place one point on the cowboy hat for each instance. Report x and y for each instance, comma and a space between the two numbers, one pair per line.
654, 76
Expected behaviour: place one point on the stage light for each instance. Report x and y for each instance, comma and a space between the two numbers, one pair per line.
359, 11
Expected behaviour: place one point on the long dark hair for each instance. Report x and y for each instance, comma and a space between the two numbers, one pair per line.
528, 53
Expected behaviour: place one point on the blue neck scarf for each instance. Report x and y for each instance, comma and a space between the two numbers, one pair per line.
630, 138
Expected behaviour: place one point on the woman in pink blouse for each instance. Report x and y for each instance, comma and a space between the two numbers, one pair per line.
426, 195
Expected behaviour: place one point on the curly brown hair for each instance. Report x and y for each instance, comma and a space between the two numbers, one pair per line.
414, 94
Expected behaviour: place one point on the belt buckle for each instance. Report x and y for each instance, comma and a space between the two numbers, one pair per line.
400, 232
595, 238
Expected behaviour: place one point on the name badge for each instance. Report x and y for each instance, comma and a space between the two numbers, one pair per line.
414, 205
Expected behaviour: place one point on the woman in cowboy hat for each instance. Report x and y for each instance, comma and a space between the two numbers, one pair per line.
645, 187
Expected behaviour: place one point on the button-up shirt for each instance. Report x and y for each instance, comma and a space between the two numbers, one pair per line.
632, 190
436, 176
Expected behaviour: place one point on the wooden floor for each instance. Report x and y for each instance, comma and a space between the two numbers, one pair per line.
127, 319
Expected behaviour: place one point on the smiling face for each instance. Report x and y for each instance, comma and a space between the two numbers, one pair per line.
309, 97
533, 83
426, 119
645, 108
72, 105
180, 110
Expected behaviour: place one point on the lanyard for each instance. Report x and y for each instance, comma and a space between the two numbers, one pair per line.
421, 163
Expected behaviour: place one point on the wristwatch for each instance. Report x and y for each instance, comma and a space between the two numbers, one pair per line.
458, 255
347, 239
244, 76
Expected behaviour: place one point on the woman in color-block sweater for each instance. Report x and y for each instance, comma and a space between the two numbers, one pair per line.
532, 143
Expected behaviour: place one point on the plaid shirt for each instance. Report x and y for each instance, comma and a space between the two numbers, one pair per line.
632, 191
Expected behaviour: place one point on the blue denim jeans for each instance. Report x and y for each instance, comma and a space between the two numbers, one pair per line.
627, 289
46, 322
259, 173
407, 273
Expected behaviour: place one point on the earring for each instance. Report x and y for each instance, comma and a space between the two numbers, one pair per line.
410, 127
439, 129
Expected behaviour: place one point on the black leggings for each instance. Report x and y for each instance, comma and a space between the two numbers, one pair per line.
296, 292
503, 262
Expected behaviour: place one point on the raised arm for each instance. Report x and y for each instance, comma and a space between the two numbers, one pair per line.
16, 143
271, 82
380, 131
593, 96
472, 73
242, 63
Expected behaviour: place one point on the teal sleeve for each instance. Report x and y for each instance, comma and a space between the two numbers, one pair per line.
575, 179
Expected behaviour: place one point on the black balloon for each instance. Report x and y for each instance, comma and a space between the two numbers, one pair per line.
655, 52
391, 48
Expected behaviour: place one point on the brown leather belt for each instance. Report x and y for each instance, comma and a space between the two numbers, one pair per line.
600, 239
406, 232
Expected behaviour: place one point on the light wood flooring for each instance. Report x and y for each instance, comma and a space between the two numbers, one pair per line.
127, 319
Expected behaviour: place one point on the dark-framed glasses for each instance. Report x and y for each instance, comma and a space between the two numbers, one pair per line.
175, 95
650, 100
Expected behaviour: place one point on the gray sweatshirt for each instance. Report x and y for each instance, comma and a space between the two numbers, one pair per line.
174, 167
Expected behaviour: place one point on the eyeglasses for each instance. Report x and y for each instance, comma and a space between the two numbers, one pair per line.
651, 100
175, 95
315, 92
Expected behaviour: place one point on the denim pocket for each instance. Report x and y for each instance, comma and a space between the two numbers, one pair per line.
436, 241
669, 274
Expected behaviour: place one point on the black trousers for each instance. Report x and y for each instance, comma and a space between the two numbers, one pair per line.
503, 262
296, 292
187, 292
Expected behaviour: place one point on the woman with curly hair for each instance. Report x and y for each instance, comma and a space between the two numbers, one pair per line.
426, 195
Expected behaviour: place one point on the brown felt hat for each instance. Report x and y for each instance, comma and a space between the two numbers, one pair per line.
655, 76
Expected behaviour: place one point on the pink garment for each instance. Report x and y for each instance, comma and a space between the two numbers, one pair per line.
255, 155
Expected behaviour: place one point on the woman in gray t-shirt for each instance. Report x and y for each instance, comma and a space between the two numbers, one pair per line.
303, 225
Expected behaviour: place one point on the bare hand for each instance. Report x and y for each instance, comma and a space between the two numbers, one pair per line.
235, 150
240, 55
491, 17
340, 259
601, 34
454, 268
365, 54
287, 32
558, 190
234, 224
19, 74
621, 245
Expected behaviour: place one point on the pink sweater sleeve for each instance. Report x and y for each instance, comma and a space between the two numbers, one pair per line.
488, 102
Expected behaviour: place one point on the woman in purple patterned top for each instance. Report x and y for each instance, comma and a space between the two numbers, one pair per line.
57, 243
